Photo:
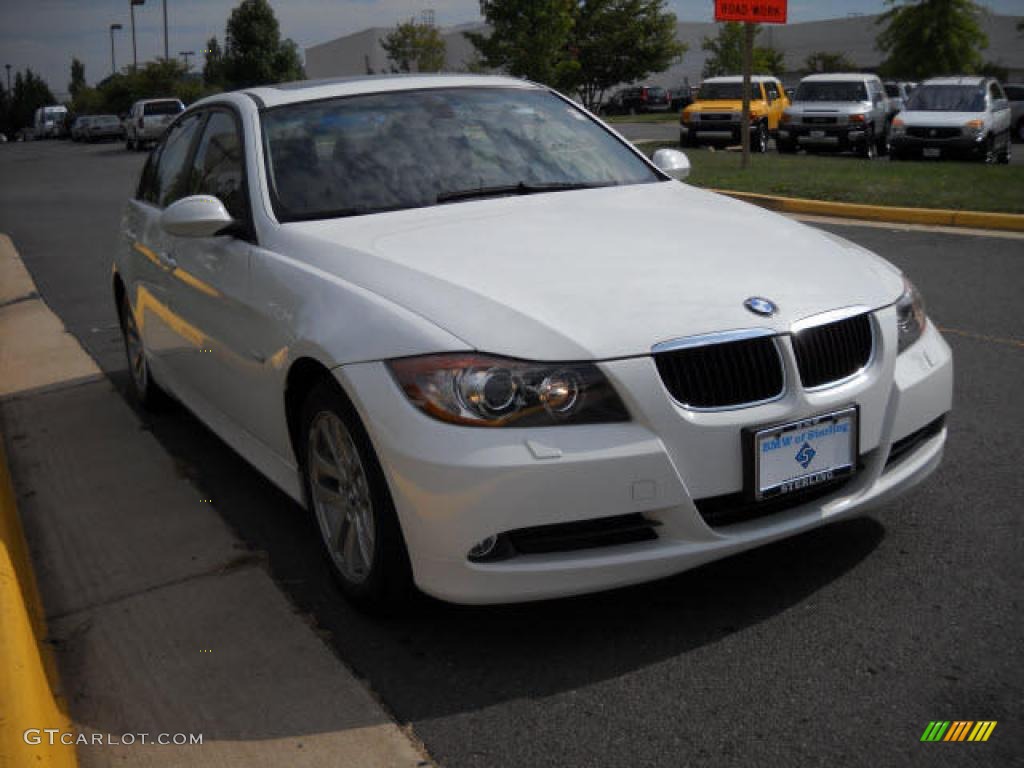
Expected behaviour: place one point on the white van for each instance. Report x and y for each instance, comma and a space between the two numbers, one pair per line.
48, 121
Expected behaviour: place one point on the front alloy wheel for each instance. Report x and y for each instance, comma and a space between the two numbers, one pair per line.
340, 495
348, 495
760, 142
149, 393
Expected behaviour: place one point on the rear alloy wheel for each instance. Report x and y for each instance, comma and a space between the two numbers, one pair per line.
148, 392
348, 495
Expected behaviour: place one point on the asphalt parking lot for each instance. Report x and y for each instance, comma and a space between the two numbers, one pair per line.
836, 648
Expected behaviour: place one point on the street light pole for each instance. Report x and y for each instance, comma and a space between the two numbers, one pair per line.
135, 50
167, 55
185, 55
8, 77
113, 63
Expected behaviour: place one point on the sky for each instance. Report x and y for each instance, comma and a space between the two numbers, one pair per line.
45, 34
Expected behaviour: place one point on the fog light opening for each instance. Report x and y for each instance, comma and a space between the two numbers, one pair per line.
490, 549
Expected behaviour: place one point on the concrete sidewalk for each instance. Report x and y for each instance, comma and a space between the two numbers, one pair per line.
163, 622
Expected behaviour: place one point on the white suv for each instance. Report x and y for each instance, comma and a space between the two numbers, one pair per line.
149, 119
954, 117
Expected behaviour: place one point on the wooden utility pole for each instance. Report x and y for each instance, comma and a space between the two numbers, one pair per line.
748, 64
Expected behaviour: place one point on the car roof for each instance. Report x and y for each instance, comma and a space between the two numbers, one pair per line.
739, 79
313, 90
838, 77
971, 80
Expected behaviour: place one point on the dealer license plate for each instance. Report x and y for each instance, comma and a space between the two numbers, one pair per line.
799, 455
932, 152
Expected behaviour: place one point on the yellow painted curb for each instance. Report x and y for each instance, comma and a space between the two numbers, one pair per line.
930, 216
28, 672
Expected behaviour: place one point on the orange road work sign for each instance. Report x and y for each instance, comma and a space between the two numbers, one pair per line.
758, 11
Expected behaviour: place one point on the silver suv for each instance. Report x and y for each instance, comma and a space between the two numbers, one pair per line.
967, 117
1015, 93
838, 113
148, 120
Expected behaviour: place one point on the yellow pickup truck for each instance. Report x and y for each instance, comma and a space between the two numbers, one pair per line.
715, 115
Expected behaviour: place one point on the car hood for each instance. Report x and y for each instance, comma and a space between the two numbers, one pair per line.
594, 274
932, 119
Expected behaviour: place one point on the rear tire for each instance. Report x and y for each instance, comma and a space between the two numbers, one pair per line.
347, 493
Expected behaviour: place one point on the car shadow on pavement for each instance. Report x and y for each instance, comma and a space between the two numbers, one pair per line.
438, 659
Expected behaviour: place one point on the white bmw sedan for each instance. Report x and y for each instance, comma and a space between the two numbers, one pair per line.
502, 356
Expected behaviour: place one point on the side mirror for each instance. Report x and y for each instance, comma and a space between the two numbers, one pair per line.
672, 162
196, 216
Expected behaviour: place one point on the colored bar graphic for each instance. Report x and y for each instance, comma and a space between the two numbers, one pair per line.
958, 730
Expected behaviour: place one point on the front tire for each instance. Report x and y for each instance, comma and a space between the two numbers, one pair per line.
868, 149
348, 495
759, 139
148, 392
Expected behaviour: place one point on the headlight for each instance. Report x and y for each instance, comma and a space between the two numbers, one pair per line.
485, 391
910, 316
974, 127
898, 127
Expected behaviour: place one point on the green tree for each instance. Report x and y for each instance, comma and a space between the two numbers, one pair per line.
925, 38
726, 53
529, 38
213, 66
30, 92
254, 53
413, 47
77, 77
825, 61
621, 41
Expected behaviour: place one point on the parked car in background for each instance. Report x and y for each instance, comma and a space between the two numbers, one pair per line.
1015, 93
79, 126
715, 114
680, 98
148, 119
47, 122
838, 113
405, 301
104, 128
898, 94
637, 100
965, 117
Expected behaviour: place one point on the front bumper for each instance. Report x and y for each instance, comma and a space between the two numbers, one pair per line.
455, 486
957, 146
824, 136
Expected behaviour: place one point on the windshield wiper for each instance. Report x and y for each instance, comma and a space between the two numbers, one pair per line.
522, 188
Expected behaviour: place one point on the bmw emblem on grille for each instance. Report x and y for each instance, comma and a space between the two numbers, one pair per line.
760, 306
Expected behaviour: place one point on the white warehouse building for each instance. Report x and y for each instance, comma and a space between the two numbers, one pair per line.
361, 53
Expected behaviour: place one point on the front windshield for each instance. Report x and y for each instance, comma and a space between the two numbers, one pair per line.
832, 91
947, 98
409, 149
723, 91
